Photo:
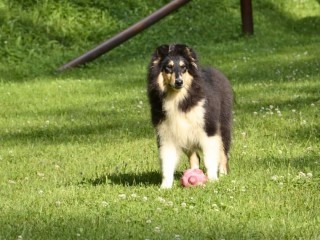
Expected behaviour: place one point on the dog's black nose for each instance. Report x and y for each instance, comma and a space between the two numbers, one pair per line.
178, 82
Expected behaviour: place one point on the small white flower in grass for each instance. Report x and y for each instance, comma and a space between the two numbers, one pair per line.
157, 229
104, 203
162, 200
122, 196
191, 207
170, 203
274, 178
183, 204
133, 195
11, 182
177, 236
20, 237
293, 110
255, 113
148, 221
309, 175
312, 104
145, 199
302, 174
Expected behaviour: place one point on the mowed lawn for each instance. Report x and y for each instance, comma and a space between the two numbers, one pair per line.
78, 154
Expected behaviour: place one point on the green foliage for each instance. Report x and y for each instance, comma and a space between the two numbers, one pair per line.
78, 156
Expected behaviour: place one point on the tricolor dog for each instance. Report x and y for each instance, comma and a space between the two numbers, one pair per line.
191, 111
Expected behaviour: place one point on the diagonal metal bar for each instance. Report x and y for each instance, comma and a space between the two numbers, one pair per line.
124, 35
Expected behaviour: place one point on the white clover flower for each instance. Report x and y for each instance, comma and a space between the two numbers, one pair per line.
309, 175
104, 203
177, 236
274, 178
162, 200
122, 196
170, 203
157, 229
183, 204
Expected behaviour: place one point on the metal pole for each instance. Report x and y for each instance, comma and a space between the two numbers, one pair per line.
246, 17
124, 35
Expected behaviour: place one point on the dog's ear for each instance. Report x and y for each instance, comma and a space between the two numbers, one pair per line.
187, 53
162, 51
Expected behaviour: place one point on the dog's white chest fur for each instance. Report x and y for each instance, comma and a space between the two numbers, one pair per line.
183, 129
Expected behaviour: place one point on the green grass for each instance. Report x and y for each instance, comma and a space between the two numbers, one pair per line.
78, 156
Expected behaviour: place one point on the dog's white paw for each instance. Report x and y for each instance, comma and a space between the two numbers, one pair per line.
212, 176
166, 184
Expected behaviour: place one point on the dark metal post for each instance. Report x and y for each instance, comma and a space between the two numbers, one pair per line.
246, 17
124, 35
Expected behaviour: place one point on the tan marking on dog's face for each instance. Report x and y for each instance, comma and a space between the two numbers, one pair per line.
168, 75
161, 82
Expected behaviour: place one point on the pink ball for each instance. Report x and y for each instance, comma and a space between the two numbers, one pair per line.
193, 177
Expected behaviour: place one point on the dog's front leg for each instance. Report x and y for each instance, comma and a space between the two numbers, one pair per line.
169, 157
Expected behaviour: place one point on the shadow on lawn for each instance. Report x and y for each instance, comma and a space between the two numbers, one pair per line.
125, 179
152, 178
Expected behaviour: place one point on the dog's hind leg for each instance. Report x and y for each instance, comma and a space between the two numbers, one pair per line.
194, 159
223, 164
212, 148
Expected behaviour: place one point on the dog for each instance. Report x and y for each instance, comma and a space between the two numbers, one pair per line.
191, 111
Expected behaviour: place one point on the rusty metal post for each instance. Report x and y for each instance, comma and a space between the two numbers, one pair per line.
246, 17
124, 35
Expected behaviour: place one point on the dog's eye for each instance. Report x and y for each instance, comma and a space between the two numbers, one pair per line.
169, 68
183, 68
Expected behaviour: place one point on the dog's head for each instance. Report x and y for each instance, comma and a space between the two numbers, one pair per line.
177, 64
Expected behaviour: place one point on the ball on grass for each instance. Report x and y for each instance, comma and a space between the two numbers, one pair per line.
193, 177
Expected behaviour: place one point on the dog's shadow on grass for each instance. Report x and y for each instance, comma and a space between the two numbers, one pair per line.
125, 179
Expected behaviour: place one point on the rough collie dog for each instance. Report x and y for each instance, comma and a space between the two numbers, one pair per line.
191, 110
